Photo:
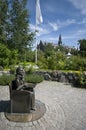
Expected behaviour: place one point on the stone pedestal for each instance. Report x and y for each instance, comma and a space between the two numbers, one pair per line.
36, 114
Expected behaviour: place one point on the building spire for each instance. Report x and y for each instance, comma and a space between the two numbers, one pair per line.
60, 40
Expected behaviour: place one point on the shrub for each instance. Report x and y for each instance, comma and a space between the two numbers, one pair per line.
30, 70
1, 68
42, 65
80, 80
75, 63
31, 78
12, 69
34, 78
6, 79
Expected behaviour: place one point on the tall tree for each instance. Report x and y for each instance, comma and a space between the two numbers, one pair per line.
20, 35
3, 20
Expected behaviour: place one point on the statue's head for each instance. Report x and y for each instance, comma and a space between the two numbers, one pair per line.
20, 73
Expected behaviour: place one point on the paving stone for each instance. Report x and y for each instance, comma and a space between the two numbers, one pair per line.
65, 108
25, 128
17, 128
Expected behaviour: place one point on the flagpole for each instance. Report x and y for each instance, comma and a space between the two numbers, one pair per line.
36, 34
36, 44
38, 21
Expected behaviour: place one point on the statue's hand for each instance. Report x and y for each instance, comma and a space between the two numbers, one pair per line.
20, 87
25, 84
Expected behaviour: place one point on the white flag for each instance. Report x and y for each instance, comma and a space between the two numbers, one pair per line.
39, 18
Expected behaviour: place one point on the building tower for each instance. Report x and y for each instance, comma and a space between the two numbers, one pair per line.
60, 40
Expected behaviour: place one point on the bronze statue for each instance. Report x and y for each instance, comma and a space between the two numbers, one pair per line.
19, 84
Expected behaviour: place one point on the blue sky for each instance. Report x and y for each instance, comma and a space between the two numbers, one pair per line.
65, 17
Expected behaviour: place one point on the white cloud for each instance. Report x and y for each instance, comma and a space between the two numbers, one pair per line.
80, 32
79, 4
60, 24
76, 34
40, 30
82, 22
32, 27
45, 32
67, 22
53, 38
54, 26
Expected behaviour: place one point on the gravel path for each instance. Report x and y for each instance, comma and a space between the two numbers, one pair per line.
65, 108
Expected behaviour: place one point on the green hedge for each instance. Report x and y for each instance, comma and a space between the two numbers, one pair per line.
31, 78
6, 79
34, 78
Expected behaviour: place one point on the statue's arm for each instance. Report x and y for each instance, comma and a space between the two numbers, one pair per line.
20, 87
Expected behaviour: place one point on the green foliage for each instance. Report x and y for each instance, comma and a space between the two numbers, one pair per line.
1, 68
15, 33
42, 65
61, 65
5, 54
60, 56
49, 49
75, 63
74, 51
31, 78
34, 78
30, 70
80, 81
30, 55
16, 38
57, 60
7, 57
3, 21
13, 57
42, 62
52, 63
12, 69
40, 55
6, 79
19, 19
61, 48
82, 47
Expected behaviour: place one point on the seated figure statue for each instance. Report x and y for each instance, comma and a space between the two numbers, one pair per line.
19, 84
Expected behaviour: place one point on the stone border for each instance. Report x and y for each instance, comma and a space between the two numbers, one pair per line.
60, 76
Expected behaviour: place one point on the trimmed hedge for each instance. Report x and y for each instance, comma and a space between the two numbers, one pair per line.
31, 78
34, 78
6, 79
